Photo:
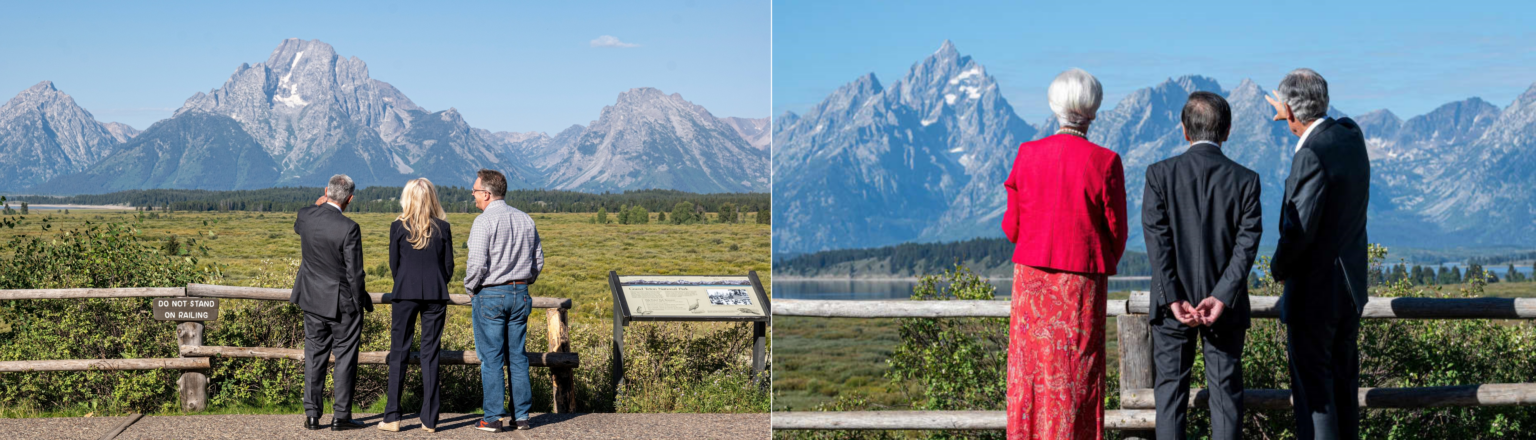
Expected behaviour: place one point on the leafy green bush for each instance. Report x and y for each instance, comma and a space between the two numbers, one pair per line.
961, 363
682, 214
100, 256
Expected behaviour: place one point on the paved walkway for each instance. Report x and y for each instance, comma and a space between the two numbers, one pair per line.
271, 427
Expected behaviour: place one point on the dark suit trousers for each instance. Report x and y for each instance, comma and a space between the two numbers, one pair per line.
322, 338
1325, 375
1173, 355
402, 325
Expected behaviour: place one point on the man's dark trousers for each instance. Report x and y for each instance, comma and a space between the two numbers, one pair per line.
1325, 375
1173, 355
322, 336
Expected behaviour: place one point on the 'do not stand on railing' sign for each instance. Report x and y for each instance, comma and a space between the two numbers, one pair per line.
186, 309
689, 298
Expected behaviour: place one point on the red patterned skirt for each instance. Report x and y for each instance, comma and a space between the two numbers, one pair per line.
1056, 354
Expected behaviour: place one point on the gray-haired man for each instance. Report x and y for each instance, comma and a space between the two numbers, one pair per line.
330, 289
1321, 258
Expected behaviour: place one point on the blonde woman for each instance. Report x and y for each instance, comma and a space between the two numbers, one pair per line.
421, 259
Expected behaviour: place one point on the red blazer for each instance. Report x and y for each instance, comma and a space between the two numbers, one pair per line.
1066, 206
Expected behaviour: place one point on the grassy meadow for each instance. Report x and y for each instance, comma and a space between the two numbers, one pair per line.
673, 367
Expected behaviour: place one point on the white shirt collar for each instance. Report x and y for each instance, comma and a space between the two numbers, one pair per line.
333, 205
1213, 144
1305, 134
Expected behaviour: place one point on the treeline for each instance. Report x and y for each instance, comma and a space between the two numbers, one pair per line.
683, 213
1437, 275
385, 199
1501, 259
910, 256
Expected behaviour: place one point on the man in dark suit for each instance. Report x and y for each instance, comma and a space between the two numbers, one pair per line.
330, 290
1321, 258
1202, 223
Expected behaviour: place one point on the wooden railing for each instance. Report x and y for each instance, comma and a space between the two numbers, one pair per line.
1136, 415
194, 361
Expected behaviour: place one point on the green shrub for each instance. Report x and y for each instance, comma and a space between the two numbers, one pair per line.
682, 214
100, 256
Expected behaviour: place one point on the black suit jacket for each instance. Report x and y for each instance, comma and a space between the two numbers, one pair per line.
1202, 222
1322, 256
421, 274
331, 279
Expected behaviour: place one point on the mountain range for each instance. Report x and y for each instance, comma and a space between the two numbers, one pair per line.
307, 113
923, 159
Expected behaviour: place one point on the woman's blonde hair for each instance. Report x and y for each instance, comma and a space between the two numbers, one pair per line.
418, 206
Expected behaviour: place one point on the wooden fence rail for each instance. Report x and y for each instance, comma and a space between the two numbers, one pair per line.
194, 360
445, 357
1135, 344
1497, 394
1139, 304
104, 364
945, 420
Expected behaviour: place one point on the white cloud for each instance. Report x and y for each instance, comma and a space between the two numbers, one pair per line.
611, 41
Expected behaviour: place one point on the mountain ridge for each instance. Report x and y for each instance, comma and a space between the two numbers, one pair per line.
1436, 174
314, 113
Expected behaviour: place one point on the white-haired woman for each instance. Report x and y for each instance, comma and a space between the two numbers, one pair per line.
1066, 218
421, 259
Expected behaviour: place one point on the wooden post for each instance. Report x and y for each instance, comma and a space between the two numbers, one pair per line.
1135, 362
193, 384
562, 378
759, 346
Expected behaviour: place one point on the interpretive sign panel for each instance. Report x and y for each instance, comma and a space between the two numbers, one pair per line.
692, 298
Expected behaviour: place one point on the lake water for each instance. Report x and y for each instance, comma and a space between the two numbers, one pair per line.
893, 289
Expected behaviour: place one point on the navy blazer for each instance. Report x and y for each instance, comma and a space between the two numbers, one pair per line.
421, 274
1322, 255
330, 280
1201, 217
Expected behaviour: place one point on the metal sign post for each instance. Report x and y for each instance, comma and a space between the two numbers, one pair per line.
689, 298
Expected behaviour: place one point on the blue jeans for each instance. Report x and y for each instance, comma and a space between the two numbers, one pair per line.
501, 332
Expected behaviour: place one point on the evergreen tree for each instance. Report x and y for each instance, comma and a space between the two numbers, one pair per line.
24, 210
622, 214
763, 216
661, 216
1418, 274
1510, 275
682, 214
1455, 275
602, 216
727, 213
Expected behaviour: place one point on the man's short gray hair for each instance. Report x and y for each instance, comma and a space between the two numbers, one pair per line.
1075, 96
339, 189
1307, 93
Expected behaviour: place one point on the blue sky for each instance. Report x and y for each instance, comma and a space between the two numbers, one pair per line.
513, 66
1409, 57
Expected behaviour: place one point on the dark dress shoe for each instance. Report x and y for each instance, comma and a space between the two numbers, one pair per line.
312, 423
346, 425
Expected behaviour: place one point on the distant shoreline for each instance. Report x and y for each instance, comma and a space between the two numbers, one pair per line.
63, 207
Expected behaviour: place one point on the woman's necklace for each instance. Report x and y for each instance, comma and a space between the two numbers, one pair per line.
1072, 131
